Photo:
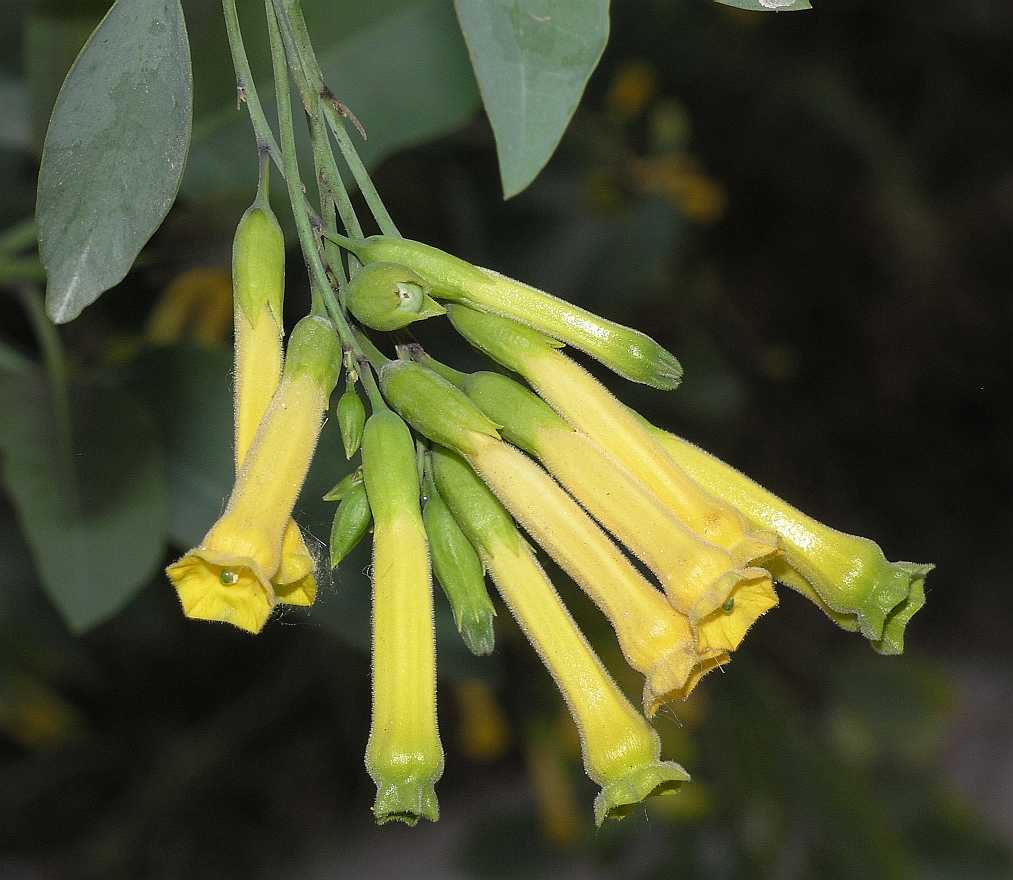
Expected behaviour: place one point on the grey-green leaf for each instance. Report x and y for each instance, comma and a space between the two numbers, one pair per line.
91, 503
769, 5
533, 59
114, 151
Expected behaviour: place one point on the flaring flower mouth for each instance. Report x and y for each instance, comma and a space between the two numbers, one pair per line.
220, 587
752, 597
295, 583
616, 799
660, 688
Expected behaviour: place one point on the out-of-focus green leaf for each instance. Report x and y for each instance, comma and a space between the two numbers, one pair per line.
92, 505
15, 134
400, 65
188, 389
768, 5
114, 151
51, 43
533, 59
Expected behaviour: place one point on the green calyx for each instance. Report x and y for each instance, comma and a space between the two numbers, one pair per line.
314, 349
505, 341
449, 277
484, 521
389, 468
433, 406
522, 415
351, 523
406, 802
258, 263
351, 420
460, 573
618, 798
386, 296
892, 642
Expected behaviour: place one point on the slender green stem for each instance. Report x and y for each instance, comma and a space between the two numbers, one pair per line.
12, 360
376, 400
245, 85
330, 187
311, 254
21, 269
18, 237
56, 371
292, 10
376, 357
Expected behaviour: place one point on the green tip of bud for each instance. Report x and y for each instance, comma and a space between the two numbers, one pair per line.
896, 622
351, 420
386, 296
667, 371
406, 802
476, 628
344, 485
258, 262
314, 349
616, 799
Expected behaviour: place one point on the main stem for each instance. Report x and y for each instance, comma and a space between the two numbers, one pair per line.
307, 241
291, 10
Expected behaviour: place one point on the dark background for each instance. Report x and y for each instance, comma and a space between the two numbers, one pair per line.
815, 211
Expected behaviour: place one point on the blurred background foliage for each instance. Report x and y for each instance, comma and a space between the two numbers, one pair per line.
814, 211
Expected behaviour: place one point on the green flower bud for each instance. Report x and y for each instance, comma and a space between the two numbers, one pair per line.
433, 406
351, 522
386, 296
258, 262
344, 485
314, 349
460, 573
628, 352
351, 421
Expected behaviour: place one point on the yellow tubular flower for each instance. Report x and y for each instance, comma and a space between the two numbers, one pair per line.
590, 408
258, 274
847, 576
404, 755
621, 751
228, 576
699, 578
655, 639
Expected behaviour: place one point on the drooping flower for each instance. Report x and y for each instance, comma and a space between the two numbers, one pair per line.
404, 755
848, 576
227, 577
258, 279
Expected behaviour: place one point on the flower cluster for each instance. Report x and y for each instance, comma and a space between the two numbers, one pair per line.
459, 471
